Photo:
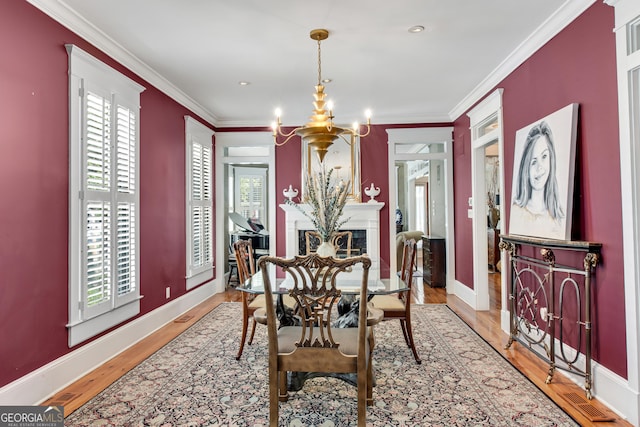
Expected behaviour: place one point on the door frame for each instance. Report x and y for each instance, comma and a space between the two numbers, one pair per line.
491, 106
241, 139
442, 135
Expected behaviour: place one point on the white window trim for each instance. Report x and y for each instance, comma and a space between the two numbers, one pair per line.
196, 132
85, 69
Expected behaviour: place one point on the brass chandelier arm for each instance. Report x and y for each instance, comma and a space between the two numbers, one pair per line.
286, 136
353, 132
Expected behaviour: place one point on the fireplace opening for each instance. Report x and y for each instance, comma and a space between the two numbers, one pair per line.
358, 243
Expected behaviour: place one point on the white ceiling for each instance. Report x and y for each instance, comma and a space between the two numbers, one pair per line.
199, 50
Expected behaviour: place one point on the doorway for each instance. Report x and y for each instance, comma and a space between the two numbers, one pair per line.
423, 184
493, 192
245, 179
487, 152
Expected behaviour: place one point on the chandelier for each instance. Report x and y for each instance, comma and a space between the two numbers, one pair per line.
319, 132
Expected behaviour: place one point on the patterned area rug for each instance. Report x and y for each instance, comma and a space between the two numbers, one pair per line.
196, 381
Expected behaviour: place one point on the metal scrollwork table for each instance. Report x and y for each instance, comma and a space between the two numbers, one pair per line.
550, 305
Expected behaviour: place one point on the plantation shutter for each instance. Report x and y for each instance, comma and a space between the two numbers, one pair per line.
201, 210
109, 201
199, 203
104, 117
126, 153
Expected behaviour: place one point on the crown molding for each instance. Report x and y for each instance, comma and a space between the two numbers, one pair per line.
63, 14
379, 120
569, 11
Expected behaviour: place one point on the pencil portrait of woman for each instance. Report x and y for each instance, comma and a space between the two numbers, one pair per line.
537, 207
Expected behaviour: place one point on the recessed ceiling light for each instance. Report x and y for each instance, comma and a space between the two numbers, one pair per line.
416, 29
243, 83
326, 80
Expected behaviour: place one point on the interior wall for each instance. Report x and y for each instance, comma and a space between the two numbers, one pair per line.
562, 72
34, 175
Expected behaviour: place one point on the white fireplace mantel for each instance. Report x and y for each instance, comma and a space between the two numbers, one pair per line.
361, 216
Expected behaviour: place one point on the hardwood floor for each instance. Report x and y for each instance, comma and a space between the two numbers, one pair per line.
486, 324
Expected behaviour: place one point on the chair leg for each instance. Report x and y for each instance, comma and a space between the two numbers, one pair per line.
405, 334
245, 321
370, 383
273, 398
412, 344
253, 330
283, 393
372, 343
362, 399
231, 268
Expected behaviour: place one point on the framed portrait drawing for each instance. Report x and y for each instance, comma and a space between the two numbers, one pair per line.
543, 174
343, 157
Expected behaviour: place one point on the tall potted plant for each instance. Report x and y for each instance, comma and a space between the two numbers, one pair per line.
326, 199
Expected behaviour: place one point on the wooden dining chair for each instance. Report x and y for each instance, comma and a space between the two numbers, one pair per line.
398, 306
245, 260
315, 345
250, 302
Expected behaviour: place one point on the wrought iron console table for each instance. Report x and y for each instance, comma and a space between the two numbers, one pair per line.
540, 312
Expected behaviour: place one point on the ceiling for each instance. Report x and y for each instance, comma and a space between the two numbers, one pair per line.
198, 51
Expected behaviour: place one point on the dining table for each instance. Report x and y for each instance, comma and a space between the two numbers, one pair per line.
349, 290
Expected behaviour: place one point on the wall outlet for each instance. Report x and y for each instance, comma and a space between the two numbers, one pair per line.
168, 292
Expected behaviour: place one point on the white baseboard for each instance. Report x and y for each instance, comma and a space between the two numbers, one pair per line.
614, 391
505, 320
41, 384
465, 293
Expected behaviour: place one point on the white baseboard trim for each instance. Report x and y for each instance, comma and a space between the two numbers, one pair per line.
614, 391
465, 293
610, 389
42, 383
505, 321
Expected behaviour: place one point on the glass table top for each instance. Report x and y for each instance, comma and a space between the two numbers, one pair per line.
281, 285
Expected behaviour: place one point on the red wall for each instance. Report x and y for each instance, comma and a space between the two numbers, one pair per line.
34, 190
374, 162
578, 65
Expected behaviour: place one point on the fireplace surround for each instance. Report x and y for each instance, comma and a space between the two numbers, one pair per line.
362, 217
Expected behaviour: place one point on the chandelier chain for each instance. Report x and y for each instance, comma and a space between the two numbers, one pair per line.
319, 65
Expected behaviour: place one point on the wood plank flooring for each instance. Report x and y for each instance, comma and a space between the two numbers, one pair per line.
486, 324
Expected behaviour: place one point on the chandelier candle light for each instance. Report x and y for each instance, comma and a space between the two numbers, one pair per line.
319, 132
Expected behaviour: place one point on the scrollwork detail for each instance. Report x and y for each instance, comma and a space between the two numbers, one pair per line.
548, 256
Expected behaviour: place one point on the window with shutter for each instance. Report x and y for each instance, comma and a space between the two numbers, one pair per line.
199, 202
104, 121
251, 192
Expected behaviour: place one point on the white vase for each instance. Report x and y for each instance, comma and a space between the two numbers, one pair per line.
372, 192
326, 249
290, 193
